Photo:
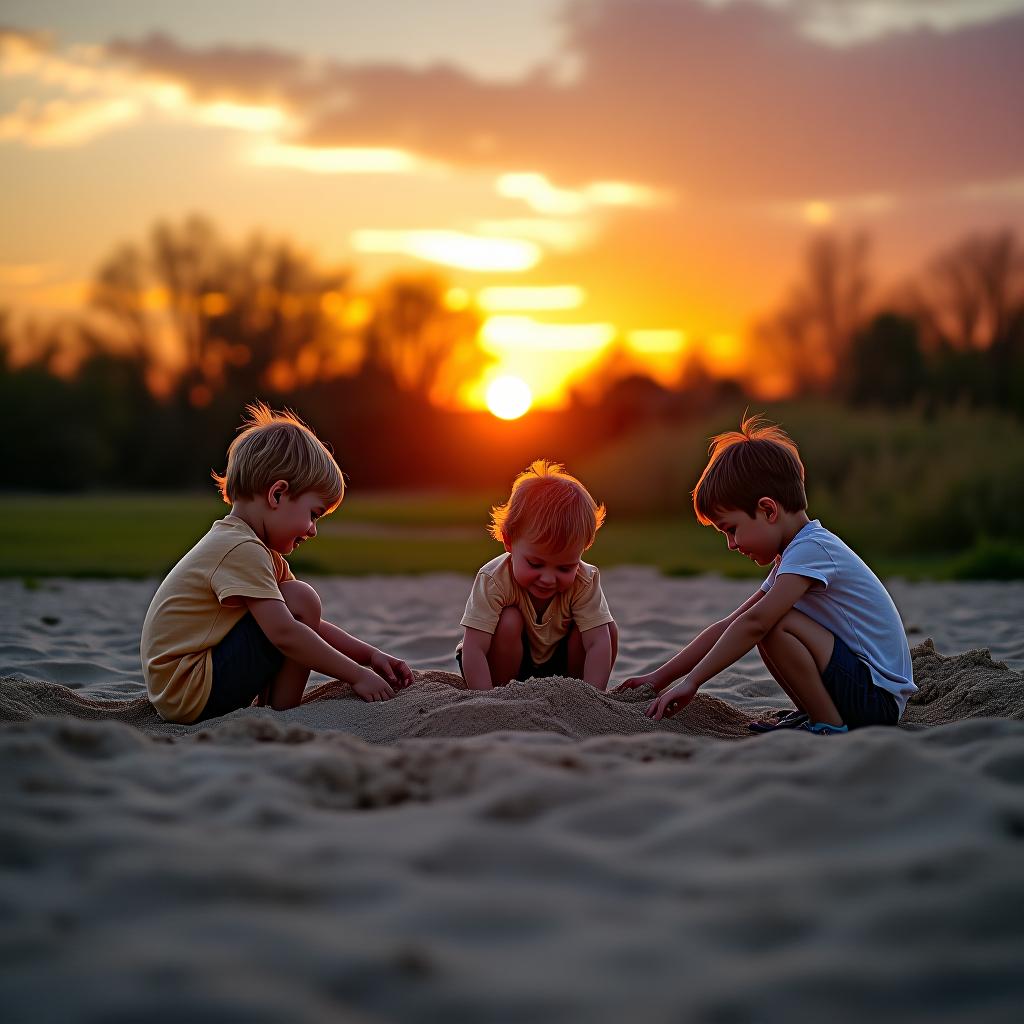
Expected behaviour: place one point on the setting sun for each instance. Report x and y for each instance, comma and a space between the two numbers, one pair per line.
508, 397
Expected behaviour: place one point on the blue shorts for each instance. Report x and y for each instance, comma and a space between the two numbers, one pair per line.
556, 665
858, 700
245, 662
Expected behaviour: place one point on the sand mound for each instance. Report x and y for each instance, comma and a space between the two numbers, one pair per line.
437, 705
968, 685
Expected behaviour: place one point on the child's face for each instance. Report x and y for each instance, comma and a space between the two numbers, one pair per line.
541, 571
293, 520
757, 537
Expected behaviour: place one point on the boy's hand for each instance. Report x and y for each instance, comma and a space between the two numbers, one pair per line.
672, 700
371, 687
634, 682
393, 670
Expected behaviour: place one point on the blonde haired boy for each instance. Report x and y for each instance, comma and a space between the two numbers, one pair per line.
231, 624
824, 625
538, 609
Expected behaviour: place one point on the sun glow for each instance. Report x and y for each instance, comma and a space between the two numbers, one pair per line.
497, 299
452, 249
508, 398
336, 159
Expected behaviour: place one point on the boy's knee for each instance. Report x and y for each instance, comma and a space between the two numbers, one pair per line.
302, 601
510, 622
780, 629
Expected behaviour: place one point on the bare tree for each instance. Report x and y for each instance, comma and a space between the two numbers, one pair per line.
199, 309
808, 337
417, 338
972, 295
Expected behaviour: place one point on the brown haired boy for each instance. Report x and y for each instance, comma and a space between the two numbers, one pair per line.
824, 625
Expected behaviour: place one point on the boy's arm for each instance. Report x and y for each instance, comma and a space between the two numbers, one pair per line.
394, 670
475, 669
597, 663
690, 656
297, 642
742, 634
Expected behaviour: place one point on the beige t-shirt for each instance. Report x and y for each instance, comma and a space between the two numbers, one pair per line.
495, 588
188, 615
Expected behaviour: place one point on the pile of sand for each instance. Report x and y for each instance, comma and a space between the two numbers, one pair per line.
968, 685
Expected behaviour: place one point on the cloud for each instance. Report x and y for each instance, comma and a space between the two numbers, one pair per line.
63, 122
846, 22
719, 102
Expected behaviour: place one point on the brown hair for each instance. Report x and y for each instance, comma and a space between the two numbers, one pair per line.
273, 446
549, 506
758, 461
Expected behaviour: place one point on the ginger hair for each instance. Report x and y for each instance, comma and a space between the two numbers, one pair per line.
549, 506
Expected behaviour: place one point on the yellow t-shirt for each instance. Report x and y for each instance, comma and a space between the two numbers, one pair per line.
192, 611
495, 588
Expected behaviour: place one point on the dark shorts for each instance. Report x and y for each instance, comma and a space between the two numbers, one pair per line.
556, 665
244, 664
849, 684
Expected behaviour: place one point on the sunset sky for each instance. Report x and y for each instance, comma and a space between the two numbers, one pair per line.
643, 168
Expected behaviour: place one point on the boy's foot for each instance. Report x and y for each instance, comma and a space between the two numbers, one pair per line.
785, 720
823, 728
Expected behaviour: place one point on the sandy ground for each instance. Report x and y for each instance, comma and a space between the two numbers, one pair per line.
538, 852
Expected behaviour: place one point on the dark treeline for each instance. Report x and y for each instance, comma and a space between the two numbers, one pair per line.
147, 386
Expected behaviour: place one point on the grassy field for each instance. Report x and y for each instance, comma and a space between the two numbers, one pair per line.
143, 535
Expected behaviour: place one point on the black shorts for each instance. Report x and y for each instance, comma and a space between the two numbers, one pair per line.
245, 662
556, 665
858, 700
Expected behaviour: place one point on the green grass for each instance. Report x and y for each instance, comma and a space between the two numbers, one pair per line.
143, 535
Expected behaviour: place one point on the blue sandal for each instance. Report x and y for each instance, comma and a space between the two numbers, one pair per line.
788, 720
823, 728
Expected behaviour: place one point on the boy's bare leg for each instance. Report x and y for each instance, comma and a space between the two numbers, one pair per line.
799, 649
304, 603
506, 651
777, 675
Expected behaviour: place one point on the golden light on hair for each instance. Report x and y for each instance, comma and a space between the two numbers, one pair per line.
508, 397
277, 445
550, 506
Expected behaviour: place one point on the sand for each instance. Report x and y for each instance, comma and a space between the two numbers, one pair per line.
542, 851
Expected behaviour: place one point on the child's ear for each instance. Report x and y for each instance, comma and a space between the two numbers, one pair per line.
770, 508
505, 541
278, 489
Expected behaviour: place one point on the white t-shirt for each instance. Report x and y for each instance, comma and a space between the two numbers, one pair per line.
848, 599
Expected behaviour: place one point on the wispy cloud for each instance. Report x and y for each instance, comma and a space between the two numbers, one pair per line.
723, 100
716, 101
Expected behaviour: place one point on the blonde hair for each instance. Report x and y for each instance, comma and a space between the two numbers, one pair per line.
549, 506
273, 446
760, 460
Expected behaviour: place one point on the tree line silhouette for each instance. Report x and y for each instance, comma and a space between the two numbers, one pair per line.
146, 385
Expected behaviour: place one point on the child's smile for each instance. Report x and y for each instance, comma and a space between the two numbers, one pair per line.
541, 572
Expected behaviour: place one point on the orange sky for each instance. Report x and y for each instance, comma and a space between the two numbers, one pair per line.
583, 171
